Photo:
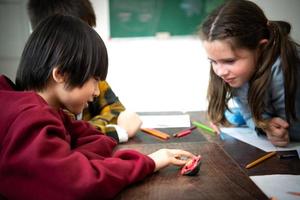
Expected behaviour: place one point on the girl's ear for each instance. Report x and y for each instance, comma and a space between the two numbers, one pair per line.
57, 76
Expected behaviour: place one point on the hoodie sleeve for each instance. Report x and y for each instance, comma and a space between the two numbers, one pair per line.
57, 159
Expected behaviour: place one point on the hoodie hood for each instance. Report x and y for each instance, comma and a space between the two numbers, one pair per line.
6, 83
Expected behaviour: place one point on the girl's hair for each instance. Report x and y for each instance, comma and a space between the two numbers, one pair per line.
244, 25
64, 42
41, 9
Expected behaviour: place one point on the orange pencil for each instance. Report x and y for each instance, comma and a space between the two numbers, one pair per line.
261, 159
156, 133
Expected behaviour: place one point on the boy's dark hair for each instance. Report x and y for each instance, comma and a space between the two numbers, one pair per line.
64, 42
39, 10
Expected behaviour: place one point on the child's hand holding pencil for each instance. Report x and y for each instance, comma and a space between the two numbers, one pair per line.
215, 127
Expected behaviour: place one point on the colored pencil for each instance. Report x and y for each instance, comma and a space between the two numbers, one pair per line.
204, 127
156, 133
184, 132
261, 159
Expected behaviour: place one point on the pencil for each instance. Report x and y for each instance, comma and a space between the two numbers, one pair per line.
261, 159
184, 132
204, 127
156, 133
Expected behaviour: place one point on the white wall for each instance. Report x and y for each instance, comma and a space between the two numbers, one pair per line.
287, 10
159, 75
149, 74
14, 32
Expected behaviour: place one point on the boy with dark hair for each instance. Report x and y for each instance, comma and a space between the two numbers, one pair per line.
106, 112
44, 153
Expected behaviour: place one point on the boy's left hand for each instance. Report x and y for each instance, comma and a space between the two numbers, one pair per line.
277, 132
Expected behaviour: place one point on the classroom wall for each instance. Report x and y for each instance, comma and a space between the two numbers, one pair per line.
150, 74
287, 10
14, 32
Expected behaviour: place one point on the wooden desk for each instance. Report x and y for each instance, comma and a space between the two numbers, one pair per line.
219, 177
144, 138
222, 174
243, 153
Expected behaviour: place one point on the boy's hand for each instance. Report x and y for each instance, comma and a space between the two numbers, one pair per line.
166, 157
277, 132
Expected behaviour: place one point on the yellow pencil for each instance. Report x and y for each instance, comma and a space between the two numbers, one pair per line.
261, 159
156, 133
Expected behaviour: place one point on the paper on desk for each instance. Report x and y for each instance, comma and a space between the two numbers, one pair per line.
249, 136
165, 121
278, 185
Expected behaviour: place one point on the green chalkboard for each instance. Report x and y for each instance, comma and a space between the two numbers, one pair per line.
138, 18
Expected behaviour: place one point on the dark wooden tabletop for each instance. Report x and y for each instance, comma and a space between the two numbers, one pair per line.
244, 153
222, 174
219, 177
144, 138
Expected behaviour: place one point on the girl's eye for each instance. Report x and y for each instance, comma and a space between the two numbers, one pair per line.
229, 61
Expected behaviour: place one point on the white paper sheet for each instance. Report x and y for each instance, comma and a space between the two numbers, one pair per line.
278, 185
249, 136
165, 121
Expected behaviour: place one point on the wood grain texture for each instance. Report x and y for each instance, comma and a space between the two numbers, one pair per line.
244, 153
219, 177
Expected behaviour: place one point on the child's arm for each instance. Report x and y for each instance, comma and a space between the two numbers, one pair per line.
162, 157
109, 110
129, 121
45, 157
278, 130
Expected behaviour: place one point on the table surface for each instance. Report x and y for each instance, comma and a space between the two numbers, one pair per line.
222, 174
219, 177
244, 153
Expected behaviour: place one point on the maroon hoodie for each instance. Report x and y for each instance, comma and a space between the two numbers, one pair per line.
46, 155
